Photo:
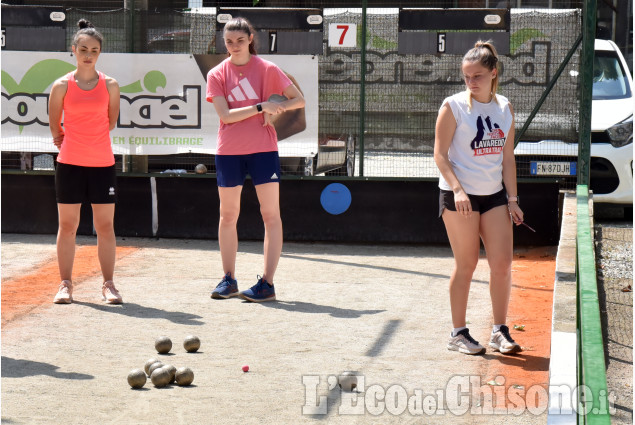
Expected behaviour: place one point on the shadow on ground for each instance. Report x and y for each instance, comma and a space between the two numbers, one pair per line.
17, 368
143, 312
305, 307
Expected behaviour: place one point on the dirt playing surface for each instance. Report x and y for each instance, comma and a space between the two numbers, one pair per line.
23, 293
529, 320
380, 311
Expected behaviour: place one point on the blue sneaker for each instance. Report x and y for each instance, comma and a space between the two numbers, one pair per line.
260, 292
227, 288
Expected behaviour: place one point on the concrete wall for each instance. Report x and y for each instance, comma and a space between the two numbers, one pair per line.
381, 211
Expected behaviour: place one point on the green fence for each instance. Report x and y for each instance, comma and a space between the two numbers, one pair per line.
385, 121
592, 386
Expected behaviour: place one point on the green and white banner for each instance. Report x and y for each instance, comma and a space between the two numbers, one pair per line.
163, 106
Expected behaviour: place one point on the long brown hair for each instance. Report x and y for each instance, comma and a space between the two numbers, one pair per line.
484, 53
242, 24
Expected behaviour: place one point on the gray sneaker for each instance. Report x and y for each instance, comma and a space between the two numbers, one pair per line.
503, 342
464, 343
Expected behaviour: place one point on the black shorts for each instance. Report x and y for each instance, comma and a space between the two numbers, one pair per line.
75, 184
480, 203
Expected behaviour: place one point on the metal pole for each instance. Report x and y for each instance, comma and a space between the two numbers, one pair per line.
362, 90
130, 7
586, 90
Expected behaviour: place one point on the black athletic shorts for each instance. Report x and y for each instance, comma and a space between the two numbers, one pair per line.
480, 203
75, 184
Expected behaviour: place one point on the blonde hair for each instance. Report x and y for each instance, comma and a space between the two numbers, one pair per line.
484, 53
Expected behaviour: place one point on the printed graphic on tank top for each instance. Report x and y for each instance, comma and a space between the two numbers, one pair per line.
488, 141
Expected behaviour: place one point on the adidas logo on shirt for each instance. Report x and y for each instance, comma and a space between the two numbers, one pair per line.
111, 191
243, 91
274, 176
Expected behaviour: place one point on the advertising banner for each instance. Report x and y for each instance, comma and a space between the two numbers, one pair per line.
163, 106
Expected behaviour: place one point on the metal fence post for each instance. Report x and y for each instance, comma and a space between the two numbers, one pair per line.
362, 90
586, 91
135, 163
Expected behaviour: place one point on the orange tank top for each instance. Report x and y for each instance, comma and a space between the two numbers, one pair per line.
86, 125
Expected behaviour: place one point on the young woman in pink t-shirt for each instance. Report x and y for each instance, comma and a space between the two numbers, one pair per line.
89, 101
239, 88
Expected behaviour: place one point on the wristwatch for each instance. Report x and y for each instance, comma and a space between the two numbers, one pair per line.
259, 107
514, 199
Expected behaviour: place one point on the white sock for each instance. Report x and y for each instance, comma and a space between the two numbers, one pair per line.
496, 328
456, 331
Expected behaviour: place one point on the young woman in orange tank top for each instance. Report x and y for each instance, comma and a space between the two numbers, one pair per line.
89, 101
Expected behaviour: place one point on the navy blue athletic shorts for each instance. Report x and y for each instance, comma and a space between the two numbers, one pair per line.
480, 203
75, 184
263, 167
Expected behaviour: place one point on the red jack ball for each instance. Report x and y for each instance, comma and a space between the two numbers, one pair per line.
245, 368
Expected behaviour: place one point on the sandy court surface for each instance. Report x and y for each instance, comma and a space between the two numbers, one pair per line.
380, 311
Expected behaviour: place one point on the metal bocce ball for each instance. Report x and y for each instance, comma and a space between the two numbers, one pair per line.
200, 169
149, 363
172, 370
160, 377
163, 345
137, 378
154, 366
184, 376
348, 381
191, 343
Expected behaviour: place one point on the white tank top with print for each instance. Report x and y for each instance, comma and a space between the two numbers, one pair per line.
476, 152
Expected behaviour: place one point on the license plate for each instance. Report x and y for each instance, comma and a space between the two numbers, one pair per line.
548, 168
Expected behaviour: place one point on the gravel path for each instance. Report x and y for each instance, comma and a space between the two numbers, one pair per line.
614, 258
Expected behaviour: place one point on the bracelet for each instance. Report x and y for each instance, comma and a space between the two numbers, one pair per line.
512, 199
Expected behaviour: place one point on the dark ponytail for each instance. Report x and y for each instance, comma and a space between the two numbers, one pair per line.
87, 28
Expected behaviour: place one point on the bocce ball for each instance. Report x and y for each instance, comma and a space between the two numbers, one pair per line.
184, 376
137, 378
191, 343
163, 345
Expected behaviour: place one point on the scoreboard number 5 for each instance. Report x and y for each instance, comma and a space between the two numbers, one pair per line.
342, 35
441, 42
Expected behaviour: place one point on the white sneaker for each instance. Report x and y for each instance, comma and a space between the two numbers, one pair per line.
464, 343
503, 342
110, 293
64, 293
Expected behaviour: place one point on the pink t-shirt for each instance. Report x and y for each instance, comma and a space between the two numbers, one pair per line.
86, 125
242, 86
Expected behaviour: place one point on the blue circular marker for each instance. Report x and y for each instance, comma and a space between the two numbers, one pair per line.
335, 198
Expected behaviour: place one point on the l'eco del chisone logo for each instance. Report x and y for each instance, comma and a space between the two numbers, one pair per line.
26, 103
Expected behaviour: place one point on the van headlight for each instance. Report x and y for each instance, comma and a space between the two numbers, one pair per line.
621, 134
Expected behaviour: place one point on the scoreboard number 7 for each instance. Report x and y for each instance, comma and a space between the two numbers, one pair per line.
273, 42
342, 35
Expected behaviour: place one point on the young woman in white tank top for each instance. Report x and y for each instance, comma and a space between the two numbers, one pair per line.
474, 150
